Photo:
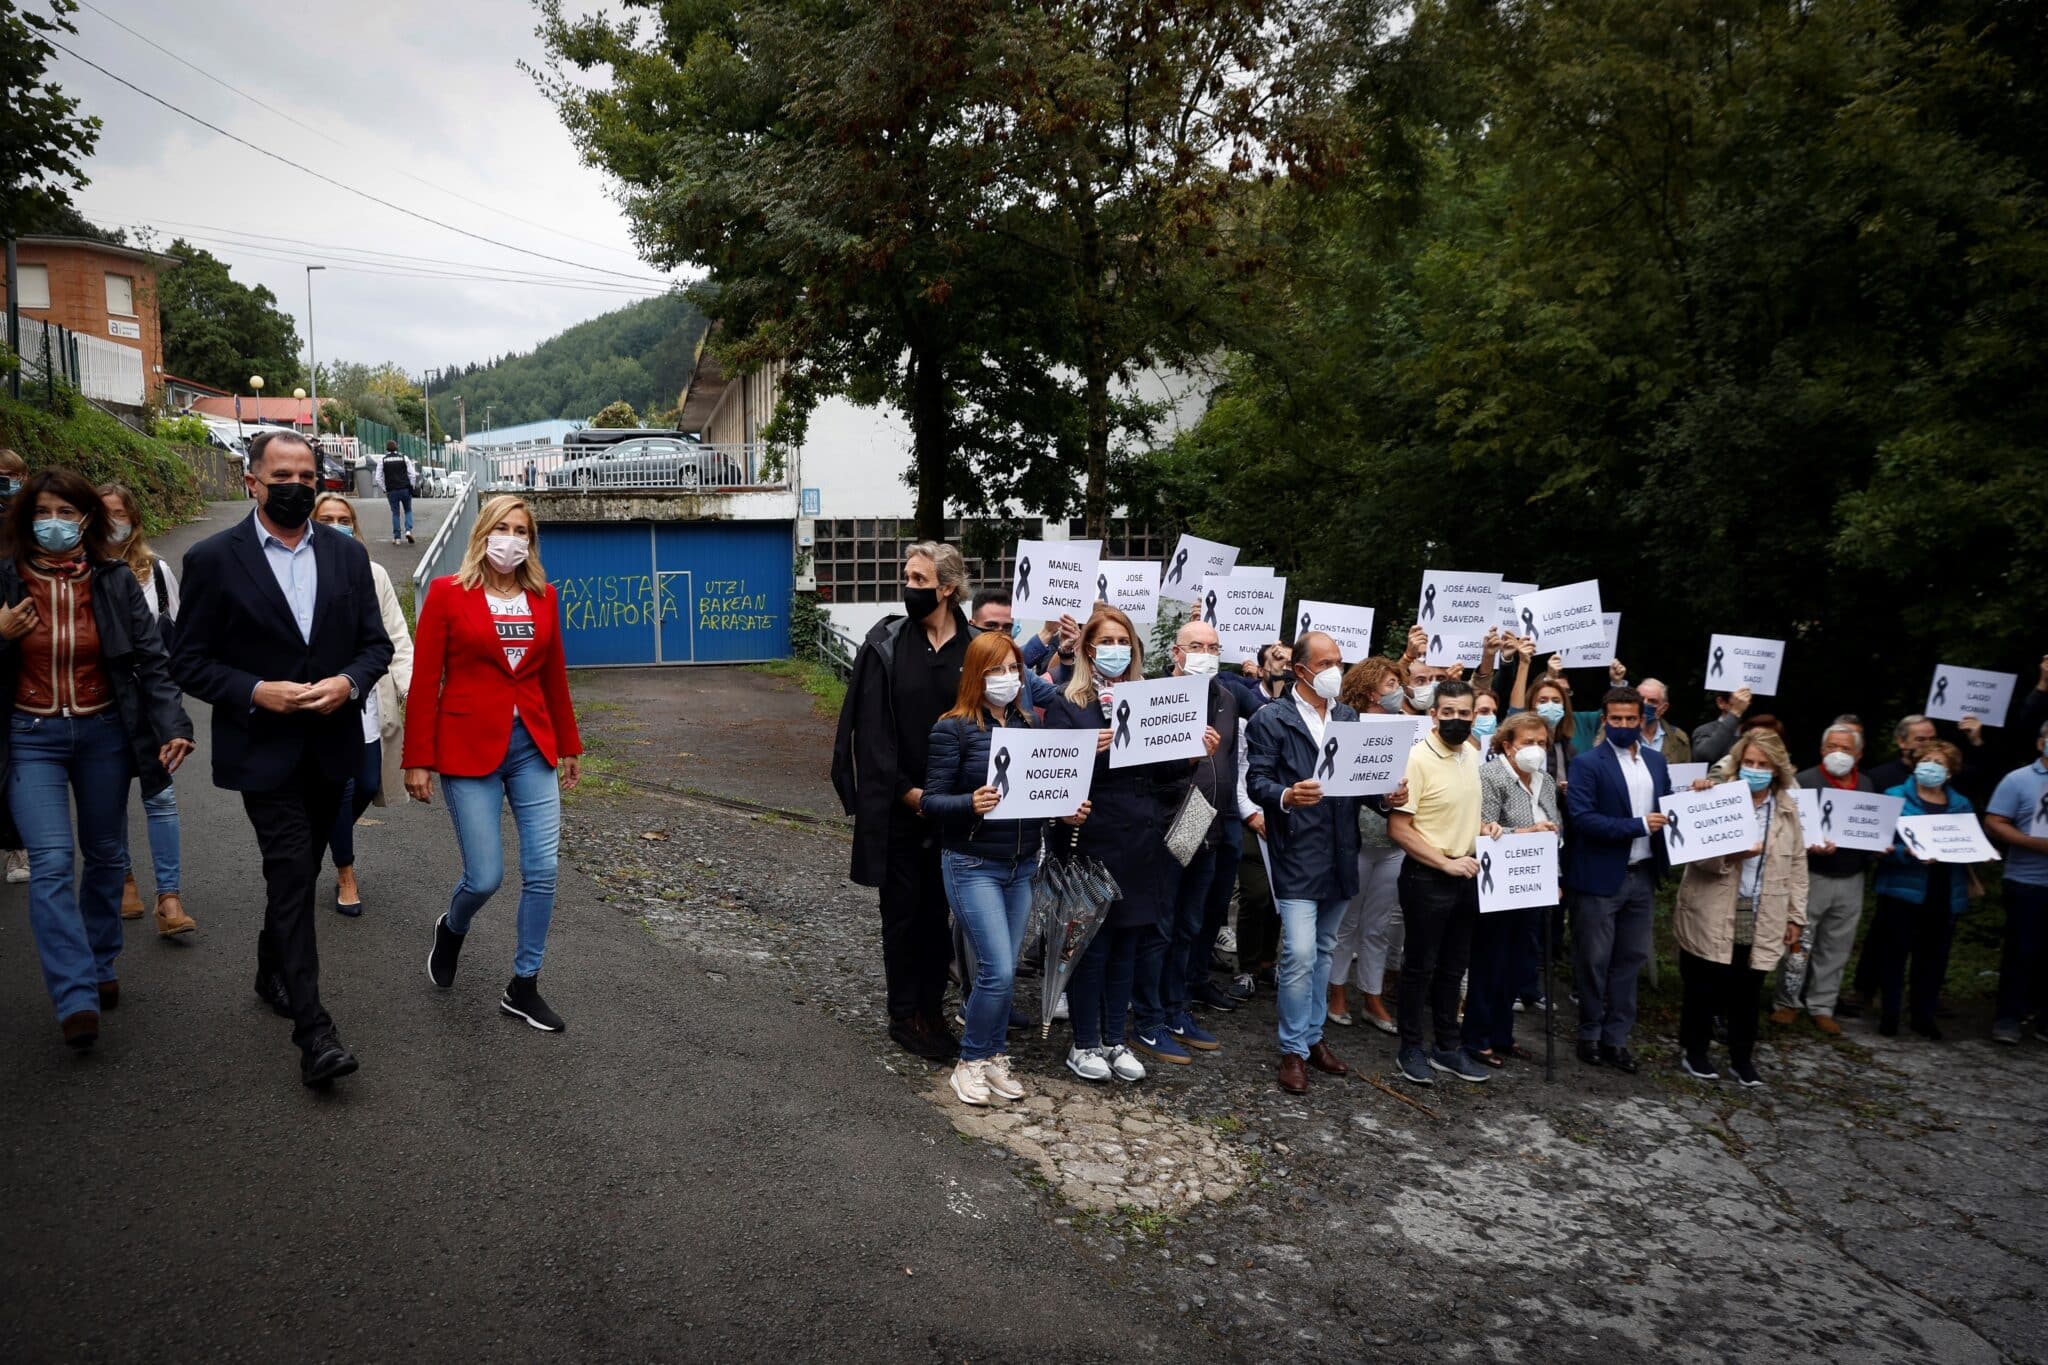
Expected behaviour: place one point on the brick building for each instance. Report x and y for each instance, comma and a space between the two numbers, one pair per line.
98, 290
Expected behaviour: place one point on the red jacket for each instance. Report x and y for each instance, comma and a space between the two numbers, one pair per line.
458, 716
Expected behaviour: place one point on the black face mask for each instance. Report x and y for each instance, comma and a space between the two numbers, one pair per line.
1454, 732
288, 505
920, 602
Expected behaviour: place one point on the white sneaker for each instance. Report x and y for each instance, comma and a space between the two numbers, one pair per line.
1226, 940
1125, 1063
969, 1082
1059, 1006
1088, 1063
995, 1074
17, 868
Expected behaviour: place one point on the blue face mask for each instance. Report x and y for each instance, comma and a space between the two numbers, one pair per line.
348, 531
59, 536
1624, 736
1927, 773
1757, 779
1112, 660
1392, 701
1484, 726
9, 487
1552, 712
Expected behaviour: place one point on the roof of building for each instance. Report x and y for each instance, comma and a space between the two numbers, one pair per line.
185, 383
285, 409
110, 248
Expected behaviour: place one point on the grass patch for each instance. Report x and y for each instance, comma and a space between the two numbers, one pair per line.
600, 780
827, 690
82, 437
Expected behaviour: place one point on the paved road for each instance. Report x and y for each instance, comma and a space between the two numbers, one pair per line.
697, 1169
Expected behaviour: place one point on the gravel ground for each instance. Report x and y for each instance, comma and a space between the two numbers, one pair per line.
1882, 1198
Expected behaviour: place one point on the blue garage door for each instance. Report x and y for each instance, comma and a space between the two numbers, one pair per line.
715, 592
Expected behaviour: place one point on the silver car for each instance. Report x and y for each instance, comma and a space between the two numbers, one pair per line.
654, 462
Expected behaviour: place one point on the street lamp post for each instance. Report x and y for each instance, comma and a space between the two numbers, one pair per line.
256, 387
312, 357
299, 396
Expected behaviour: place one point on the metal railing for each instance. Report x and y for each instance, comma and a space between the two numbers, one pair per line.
697, 467
444, 552
836, 649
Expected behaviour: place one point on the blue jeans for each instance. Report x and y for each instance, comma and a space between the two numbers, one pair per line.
991, 899
52, 762
527, 781
162, 813
401, 507
1610, 943
1308, 938
1099, 992
1159, 991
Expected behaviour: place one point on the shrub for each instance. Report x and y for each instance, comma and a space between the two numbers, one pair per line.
183, 428
103, 449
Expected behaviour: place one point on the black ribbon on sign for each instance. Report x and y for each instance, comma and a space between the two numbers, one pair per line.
1123, 724
1304, 626
1716, 670
1486, 872
1209, 609
1529, 624
1827, 816
1180, 561
1102, 587
1428, 600
1024, 576
1940, 690
1328, 767
1674, 831
2041, 817
1911, 842
1436, 644
1002, 783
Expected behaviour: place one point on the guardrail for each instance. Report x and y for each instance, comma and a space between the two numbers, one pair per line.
706, 467
444, 552
836, 649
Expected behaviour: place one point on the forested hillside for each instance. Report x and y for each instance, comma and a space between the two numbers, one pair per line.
640, 353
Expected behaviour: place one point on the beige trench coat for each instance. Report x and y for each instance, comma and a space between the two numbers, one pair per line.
1704, 919
392, 688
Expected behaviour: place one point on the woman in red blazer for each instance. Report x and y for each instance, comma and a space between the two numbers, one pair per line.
489, 710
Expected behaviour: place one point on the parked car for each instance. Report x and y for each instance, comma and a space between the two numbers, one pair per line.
666, 461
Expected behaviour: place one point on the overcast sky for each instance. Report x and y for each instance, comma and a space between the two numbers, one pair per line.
389, 90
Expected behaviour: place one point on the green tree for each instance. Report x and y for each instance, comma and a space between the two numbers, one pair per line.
220, 332
617, 416
43, 140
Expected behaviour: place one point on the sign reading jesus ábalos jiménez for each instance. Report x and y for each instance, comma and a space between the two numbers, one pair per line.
1709, 824
1039, 774
1517, 871
1157, 720
1367, 756
1055, 578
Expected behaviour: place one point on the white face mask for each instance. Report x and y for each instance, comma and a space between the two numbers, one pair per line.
1002, 689
1422, 696
1200, 665
1328, 683
1530, 759
506, 553
1838, 764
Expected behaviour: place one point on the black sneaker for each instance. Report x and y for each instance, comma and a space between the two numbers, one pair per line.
325, 1061
447, 948
270, 990
522, 1001
1211, 996
1589, 1053
1241, 986
1746, 1073
915, 1037
1699, 1068
1620, 1058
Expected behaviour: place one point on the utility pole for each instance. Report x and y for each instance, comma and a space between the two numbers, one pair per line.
312, 359
461, 420
427, 378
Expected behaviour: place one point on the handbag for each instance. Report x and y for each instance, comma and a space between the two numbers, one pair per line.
1190, 826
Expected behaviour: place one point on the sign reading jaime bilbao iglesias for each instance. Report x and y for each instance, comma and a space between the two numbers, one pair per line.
1158, 720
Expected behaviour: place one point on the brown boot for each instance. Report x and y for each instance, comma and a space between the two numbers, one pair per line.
171, 919
81, 1030
1293, 1076
1826, 1024
131, 900
1784, 1017
1322, 1059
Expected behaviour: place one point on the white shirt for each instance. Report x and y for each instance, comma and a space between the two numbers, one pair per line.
1641, 790
1310, 716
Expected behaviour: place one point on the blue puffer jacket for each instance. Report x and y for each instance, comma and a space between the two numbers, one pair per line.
1902, 876
958, 764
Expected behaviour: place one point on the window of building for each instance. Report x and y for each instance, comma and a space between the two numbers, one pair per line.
861, 559
121, 295
35, 285
1122, 540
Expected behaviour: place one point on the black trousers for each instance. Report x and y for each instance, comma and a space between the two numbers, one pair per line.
1922, 932
1729, 989
1258, 920
292, 825
1441, 911
917, 947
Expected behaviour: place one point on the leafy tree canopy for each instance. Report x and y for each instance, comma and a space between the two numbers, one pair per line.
220, 332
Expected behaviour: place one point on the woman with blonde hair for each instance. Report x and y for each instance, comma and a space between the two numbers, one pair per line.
160, 593
1737, 914
1369, 939
489, 710
383, 721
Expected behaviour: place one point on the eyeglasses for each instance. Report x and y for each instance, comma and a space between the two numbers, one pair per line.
1006, 671
1202, 649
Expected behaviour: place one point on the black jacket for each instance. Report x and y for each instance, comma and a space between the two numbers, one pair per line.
235, 629
864, 767
1130, 810
133, 656
958, 765
1215, 776
1314, 849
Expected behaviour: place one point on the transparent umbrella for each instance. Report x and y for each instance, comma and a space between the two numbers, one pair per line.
1085, 893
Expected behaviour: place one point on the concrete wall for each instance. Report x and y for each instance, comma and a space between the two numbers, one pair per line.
658, 505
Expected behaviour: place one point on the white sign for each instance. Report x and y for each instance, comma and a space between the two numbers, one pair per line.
1808, 801
1600, 653
1709, 824
118, 328
1154, 721
1738, 661
1861, 820
1683, 775
1193, 560
1456, 609
1247, 613
1946, 838
1129, 585
1517, 871
1959, 692
1563, 618
1055, 578
1367, 756
1350, 627
1039, 774
1504, 606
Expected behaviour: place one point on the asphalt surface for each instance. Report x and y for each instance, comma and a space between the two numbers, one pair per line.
695, 1170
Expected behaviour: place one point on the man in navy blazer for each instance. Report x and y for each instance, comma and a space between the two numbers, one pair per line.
280, 632
1614, 859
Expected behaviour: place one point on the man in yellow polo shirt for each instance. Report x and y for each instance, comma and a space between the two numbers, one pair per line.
1437, 827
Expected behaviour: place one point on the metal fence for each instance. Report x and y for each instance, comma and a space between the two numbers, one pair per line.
670, 465
444, 552
372, 435
836, 648
102, 370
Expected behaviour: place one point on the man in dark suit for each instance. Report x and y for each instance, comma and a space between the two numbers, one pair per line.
1613, 861
280, 632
